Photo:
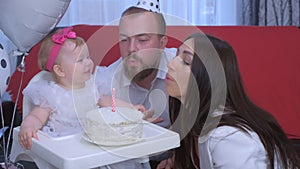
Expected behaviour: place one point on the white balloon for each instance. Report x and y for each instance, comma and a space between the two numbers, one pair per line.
26, 22
4, 70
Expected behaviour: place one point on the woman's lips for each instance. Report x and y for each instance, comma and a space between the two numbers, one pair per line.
169, 78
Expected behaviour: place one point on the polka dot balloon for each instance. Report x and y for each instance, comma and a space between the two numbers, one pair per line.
4, 70
150, 5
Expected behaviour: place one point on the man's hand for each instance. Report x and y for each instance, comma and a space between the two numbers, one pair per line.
140, 108
148, 116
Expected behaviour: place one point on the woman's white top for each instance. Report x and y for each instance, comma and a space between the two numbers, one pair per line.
230, 148
67, 106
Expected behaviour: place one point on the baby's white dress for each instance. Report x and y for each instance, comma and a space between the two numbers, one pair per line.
68, 106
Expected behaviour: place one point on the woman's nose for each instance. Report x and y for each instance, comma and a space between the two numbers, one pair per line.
171, 63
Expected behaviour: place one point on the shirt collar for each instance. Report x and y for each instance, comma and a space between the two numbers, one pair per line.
161, 73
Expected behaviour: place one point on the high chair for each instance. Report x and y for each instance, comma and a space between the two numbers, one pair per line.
17, 152
75, 152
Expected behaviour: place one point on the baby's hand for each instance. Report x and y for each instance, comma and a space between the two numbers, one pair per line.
25, 136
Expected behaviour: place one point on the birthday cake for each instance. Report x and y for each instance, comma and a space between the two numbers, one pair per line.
106, 127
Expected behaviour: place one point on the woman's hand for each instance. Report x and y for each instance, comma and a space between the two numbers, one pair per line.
166, 164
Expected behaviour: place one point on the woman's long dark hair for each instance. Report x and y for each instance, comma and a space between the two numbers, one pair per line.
241, 112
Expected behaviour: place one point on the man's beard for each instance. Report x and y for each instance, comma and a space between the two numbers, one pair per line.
143, 74
140, 72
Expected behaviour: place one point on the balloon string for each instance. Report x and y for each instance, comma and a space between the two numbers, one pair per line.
2, 130
7, 158
15, 110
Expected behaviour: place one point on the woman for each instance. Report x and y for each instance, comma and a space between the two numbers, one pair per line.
219, 125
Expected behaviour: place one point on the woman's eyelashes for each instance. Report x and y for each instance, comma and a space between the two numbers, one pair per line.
186, 56
185, 62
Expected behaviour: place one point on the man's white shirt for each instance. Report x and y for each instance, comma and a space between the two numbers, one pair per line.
156, 98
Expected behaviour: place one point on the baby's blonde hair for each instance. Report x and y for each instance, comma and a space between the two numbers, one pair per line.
46, 47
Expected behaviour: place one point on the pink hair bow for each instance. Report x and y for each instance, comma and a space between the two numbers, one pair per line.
59, 39
61, 36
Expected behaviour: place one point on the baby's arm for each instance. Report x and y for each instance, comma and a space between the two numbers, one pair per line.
106, 100
31, 124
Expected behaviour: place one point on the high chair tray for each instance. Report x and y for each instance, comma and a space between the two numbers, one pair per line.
73, 151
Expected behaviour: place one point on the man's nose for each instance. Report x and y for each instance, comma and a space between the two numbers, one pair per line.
132, 46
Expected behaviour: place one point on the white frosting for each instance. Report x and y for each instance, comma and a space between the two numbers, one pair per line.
124, 125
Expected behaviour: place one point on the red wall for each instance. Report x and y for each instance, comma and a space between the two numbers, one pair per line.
269, 59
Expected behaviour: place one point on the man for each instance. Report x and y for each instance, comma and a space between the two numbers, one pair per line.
138, 76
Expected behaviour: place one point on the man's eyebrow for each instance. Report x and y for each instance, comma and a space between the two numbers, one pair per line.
138, 35
123, 35
144, 34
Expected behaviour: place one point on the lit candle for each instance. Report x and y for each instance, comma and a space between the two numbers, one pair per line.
113, 100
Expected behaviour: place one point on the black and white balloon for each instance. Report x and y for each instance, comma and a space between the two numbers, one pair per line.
4, 70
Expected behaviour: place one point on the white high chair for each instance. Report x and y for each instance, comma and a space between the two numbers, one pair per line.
17, 152
76, 152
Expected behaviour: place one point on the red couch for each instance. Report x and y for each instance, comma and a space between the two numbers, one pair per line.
268, 58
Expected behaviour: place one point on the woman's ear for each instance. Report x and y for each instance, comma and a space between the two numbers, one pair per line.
59, 71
